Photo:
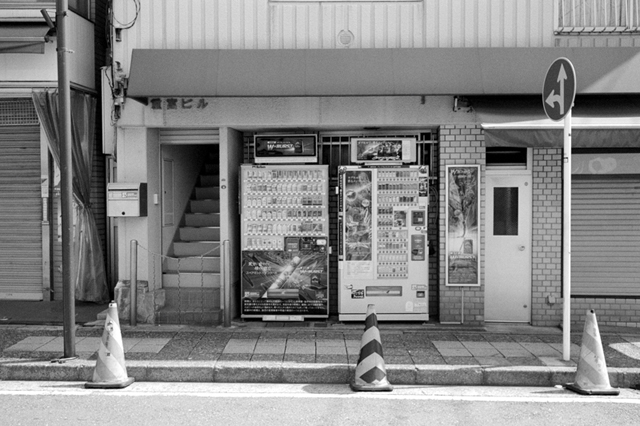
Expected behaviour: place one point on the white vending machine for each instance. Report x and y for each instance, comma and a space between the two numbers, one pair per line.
285, 242
383, 250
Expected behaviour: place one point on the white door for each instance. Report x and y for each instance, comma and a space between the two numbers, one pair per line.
508, 248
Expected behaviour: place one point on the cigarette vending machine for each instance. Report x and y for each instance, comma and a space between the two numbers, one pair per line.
285, 229
383, 251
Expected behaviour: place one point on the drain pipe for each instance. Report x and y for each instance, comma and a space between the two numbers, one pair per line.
226, 285
133, 288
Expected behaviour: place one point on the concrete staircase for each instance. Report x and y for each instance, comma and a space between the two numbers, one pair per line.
191, 277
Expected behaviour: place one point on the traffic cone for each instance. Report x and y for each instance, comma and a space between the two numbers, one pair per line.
110, 371
591, 376
371, 373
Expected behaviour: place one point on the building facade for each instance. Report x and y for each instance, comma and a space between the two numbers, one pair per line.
30, 246
191, 83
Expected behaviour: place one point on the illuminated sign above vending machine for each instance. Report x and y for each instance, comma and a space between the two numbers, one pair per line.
285, 149
383, 150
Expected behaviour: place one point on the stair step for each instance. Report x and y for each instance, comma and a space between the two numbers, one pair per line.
192, 298
203, 233
207, 193
191, 280
205, 206
192, 264
182, 249
209, 180
202, 219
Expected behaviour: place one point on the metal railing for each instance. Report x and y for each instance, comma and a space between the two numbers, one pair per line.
598, 16
225, 290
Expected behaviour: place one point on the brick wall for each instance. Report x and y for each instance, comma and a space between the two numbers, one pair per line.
546, 263
459, 145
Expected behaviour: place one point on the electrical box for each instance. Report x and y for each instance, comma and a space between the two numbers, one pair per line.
127, 199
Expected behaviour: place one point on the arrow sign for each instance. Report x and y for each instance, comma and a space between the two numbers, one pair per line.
559, 90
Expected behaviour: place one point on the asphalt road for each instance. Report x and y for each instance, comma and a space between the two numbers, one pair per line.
68, 403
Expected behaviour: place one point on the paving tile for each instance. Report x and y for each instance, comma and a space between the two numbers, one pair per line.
299, 358
516, 353
396, 359
458, 360
301, 349
331, 359
477, 345
269, 349
540, 349
55, 345
556, 362
30, 343
235, 357
448, 345
455, 353
493, 361
267, 357
330, 350
481, 352
330, 342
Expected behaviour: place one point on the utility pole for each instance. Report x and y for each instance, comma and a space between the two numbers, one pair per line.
66, 180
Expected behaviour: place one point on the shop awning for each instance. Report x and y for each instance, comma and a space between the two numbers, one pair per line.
597, 121
374, 72
23, 37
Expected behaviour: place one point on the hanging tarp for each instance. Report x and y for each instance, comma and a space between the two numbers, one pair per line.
89, 275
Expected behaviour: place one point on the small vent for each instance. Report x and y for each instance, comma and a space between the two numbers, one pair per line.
345, 38
17, 112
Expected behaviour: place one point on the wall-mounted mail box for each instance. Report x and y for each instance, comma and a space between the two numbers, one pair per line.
127, 199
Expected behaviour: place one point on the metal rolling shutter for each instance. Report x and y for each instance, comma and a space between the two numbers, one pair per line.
605, 247
189, 136
20, 213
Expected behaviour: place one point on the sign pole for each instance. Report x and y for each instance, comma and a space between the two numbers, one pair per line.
558, 94
566, 240
66, 182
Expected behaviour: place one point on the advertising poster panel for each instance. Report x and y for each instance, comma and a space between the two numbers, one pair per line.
284, 283
462, 239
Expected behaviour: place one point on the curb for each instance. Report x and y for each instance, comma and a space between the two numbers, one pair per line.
270, 372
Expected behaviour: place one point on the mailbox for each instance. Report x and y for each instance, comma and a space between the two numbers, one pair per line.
127, 199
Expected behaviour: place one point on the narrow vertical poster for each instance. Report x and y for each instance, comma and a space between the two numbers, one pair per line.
358, 220
462, 239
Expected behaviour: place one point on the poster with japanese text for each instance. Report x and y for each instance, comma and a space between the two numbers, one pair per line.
462, 225
358, 215
284, 283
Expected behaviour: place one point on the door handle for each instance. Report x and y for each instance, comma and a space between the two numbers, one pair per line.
521, 248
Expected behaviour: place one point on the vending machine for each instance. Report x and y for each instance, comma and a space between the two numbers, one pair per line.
383, 251
285, 242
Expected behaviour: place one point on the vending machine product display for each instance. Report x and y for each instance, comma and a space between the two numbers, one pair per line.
285, 229
384, 253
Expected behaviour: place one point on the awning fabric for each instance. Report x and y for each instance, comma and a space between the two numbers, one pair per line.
597, 122
23, 37
374, 72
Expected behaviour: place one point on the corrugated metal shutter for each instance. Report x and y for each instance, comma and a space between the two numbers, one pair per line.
189, 136
605, 247
20, 213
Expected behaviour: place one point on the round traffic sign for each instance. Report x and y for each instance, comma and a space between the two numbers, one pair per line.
559, 89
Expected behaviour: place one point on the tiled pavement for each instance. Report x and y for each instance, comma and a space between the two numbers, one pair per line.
410, 349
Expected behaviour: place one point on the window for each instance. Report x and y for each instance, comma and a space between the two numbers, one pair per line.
505, 211
598, 16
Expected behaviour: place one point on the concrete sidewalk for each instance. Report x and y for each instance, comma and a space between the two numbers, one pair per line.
258, 352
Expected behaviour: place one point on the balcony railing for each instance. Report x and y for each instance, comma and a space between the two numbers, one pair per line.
598, 16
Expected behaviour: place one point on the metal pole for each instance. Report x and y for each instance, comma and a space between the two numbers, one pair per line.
66, 181
226, 285
566, 240
133, 274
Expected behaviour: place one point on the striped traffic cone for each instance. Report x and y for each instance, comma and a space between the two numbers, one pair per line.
592, 377
371, 374
110, 371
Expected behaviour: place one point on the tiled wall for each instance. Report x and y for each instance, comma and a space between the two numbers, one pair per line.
547, 302
461, 144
